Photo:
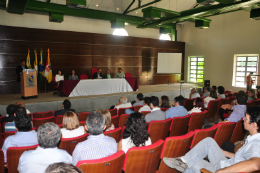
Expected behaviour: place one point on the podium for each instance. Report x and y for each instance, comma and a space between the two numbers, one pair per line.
29, 84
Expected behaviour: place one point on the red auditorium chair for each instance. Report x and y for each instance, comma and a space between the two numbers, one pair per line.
122, 120
40, 121
42, 114
159, 129
93, 70
201, 134
13, 156
128, 75
224, 132
235, 94
113, 112
221, 102
2, 163
122, 110
82, 123
197, 121
212, 110
230, 99
229, 95
4, 127
30, 115
115, 120
116, 133
59, 119
54, 85
143, 159
228, 91
239, 132
173, 147
164, 109
188, 104
201, 94
83, 76
83, 116
110, 164
9, 133
145, 112
136, 108
69, 144
254, 102
179, 126
248, 104
1, 141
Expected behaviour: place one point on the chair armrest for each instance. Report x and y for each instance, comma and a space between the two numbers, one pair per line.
203, 170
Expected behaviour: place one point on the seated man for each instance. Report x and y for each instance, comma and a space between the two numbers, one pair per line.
146, 106
194, 94
98, 74
206, 92
97, 145
108, 75
140, 98
120, 74
24, 136
122, 103
10, 110
62, 168
178, 110
247, 159
46, 153
156, 113
66, 107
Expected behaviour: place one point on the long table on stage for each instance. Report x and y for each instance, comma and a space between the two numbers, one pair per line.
74, 88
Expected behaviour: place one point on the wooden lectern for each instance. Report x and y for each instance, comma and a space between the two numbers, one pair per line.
29, 84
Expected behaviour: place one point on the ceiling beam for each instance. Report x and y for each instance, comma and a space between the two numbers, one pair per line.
145, 5
16, 6
128, 7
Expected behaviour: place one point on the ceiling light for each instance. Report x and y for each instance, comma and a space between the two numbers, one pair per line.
97, 5
120, 32
165, 37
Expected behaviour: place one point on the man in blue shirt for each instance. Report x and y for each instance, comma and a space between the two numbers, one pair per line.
178, 110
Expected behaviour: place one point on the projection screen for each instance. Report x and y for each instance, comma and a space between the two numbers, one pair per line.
169, 63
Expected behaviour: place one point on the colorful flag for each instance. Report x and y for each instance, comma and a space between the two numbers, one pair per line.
28, 61
35, 62
48, 71
41, 74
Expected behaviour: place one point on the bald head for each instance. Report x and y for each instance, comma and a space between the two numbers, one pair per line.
123, 100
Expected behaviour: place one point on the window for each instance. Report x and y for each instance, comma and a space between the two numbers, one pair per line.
196, 69
243, 65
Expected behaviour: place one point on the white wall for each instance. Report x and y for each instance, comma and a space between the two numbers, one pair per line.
229, 34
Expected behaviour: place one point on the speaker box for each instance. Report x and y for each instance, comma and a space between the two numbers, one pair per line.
207, 83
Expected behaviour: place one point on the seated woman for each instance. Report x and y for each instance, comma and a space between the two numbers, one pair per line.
73, 76
251, 95
106, 114
198, 106
221, 92
135, 133
58, 78
165, 103
71, 127
212, 96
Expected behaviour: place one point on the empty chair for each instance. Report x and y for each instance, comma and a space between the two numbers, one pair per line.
13, 156
221, 102
173, 147
179, 125
115, 120
2, 167
110, 164
122, 120
83, 116
9, 133
239, 132
59, 119
42, 114
128, 75
196, 121
83, 76
137, 107
122, 110
159, 129
188, 104
212, 110
164, 109
116, 133
224, 132
145, 112
113, 112
201, 134
143, 159
39, 121
69, 144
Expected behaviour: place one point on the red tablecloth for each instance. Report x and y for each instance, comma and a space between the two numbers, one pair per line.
132, 82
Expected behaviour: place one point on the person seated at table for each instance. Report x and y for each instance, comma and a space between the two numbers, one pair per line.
107, 75
73, 76
106, 114
65, 108
221, 92
70, 126
165, 102
156, 113
212, 96
198, 106
120, 74
62, 167
206, 92
251, 95
58, 78
194, 94
98, 74
178, 110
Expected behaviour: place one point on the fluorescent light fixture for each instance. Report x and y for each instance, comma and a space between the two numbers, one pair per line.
165, 37
120, 32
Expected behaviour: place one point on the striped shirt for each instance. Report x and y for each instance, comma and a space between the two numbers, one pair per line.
10, 127
95, 147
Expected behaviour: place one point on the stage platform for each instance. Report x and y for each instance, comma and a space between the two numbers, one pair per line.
50, 102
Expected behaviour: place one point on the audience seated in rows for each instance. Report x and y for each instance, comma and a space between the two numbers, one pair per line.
106, 114
122, 103
146, 106
194, 94
212, 96
25, 135
48, 136
206, 92
65, 108
10, 110
135, 133
165, 102
221, 92
140, 102
97, 145
156, 113
178, 110
247, 159
198, 106
70, 126
62, 167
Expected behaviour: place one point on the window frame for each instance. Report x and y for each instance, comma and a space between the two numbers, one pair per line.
189, 68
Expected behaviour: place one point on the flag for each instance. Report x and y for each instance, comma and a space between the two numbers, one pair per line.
41, 74
28, 61
48, 71
35, 62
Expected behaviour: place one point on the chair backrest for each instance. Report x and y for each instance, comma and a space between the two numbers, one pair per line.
83, 116
9, 133
254, 102
164, 109
69, 144
197, 121
115, 120
128, 75
188, 104
230, 95
239, 132
113, 112
173, 147
212, 109
93, 70
13, 156
53, 80
159, 129
122, 110
228, 91
222, 102
110, 164
122, 120
145, 112
230, 99
82, 123
179, 125
201, 94
40, 121
143, 159
4, 126
136, 108
200, 134
83, 76
1, 140
116, 133
2, 162
224, 132
59, 119
42, 114
248, 104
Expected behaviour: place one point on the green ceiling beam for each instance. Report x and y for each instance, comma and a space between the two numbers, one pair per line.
56, 17
154, 12
117, 23
226, 1
145, 5
16, 6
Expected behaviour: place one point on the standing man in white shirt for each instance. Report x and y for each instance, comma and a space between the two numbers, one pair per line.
194, 94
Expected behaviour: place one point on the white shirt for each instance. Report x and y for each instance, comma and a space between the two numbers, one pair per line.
127, 144
222, 96
144, 108
72, 133
155, 109
195, 95
207, 99
39, 159
59, 78
127, 105
195, 110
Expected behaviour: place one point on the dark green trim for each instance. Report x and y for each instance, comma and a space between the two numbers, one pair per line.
145, 5
16, 6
